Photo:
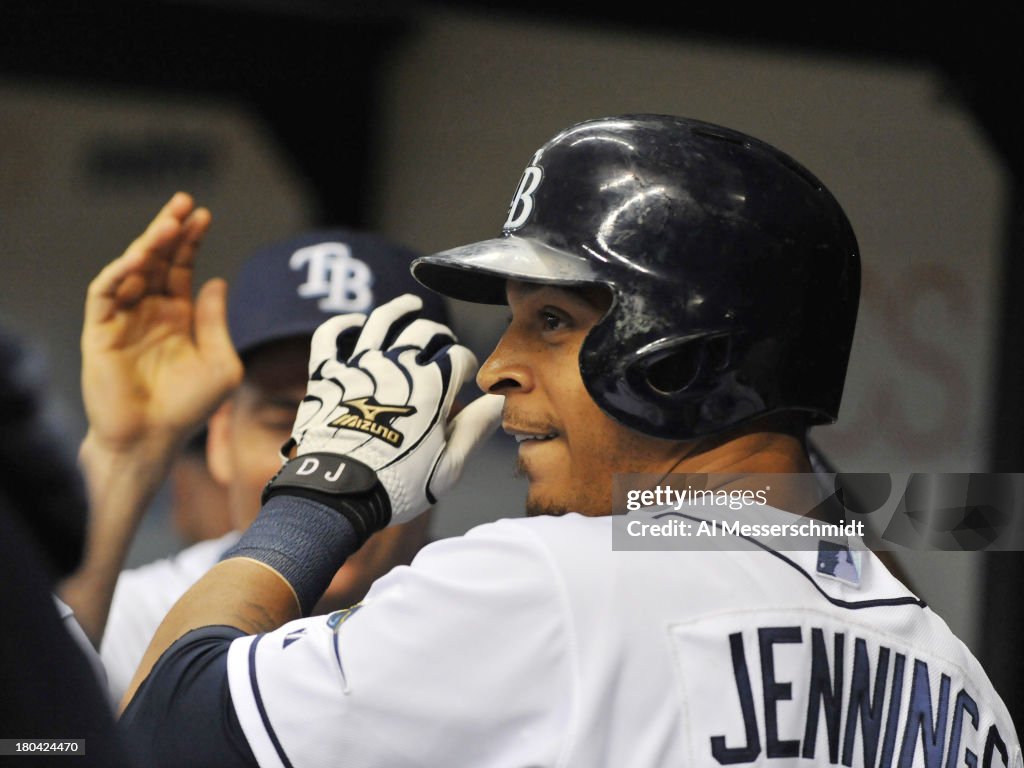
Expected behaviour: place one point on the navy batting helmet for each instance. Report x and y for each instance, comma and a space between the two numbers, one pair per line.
734, 273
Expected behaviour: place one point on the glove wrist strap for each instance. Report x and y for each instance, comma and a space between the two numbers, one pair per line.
344, 484
317, 510
326, 473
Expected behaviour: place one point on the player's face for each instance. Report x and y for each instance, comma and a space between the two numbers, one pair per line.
247, 434
569, 449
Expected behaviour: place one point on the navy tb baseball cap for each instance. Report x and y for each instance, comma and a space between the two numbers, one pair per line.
288, 288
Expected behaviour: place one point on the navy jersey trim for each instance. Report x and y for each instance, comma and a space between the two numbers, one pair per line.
879, 603
268, 727
853, 606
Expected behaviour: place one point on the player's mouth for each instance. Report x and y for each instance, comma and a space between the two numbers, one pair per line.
529, 436
523, 438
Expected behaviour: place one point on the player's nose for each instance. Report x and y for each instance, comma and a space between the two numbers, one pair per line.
506, 370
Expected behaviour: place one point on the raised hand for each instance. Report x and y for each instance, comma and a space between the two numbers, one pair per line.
155, 364
155, 361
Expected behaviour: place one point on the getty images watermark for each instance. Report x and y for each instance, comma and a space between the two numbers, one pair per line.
890, 511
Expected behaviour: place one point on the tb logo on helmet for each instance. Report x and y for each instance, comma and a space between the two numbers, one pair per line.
335, 274
522, 202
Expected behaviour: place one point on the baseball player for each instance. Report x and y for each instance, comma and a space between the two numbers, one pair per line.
683, 301
282, 292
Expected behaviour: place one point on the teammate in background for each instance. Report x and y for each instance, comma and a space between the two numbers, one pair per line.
199, 504
154, 367
683, 300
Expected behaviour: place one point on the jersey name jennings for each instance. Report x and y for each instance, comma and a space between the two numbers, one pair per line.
866, 704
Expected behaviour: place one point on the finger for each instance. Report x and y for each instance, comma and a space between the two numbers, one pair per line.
387, 321
119, 283
163, 238
463, 368
475, 423
324, 345
392, 384
172, 214
457, 365
125, 280
425, 335
149, 254
341, 379
212, 337
178, 206
309, 407
181, 267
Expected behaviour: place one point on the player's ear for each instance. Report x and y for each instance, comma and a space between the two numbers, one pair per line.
218, 442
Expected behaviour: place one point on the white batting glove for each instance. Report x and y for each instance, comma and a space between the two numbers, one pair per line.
386, 403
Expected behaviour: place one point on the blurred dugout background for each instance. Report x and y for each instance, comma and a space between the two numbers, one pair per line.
417, 118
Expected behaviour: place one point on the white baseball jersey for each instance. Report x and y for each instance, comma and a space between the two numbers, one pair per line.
142, 598
531, 642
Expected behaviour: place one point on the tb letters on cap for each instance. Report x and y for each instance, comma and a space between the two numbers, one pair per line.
343, 282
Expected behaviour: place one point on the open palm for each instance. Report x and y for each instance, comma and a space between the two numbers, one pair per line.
155, 361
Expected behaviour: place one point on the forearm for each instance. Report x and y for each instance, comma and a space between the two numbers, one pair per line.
275, 573
121, 484
237, 592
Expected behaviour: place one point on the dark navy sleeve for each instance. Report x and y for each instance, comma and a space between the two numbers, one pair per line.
182, 714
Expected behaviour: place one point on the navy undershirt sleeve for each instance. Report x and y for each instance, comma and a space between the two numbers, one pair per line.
182, 714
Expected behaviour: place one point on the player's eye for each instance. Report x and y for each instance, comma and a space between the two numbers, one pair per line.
278, 416
553, 320
279, 423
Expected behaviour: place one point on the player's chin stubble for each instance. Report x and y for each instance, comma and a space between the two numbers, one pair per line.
535, 508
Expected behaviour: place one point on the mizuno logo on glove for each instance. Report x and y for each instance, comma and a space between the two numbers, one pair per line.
373, 418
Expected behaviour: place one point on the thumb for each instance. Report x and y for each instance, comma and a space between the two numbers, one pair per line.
468, 429
211, 330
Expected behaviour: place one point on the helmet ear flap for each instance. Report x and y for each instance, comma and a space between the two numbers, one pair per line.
673, 371
682, 365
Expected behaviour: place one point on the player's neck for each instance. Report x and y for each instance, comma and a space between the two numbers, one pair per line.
740, 463
750, 453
